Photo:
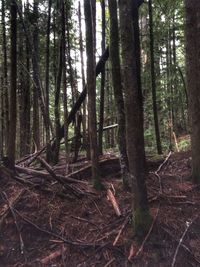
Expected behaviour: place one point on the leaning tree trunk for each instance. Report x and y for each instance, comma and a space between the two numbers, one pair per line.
91, 85
117, 86
193, 80
13, 83
134, 119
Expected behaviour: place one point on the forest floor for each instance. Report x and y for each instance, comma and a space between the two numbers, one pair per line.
42, 224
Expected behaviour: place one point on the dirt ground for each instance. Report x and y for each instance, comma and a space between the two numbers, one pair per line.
42, 224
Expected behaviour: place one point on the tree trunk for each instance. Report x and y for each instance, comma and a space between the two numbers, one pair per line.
5, 79
193, 80
91, 85
13, 83
47, 81
101, 111
153, 81
117, 84
57, 106
134, 117
36, 119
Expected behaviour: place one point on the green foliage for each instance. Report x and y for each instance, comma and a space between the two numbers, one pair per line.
184, 144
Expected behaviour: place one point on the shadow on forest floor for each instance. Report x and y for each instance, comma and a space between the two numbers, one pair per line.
42, 224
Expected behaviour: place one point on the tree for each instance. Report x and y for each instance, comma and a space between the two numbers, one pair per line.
134, 118
35, 62
102, 90
193, 80
153, 81
91, 86
13, 83
117, 86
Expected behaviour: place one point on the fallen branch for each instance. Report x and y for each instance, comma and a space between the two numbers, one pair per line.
114, 203
14, 201
182, 246
121, 230
52, 256
5, 197
110, 262
67, 241
188, 224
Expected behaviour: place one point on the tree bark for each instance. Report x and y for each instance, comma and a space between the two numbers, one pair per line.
5, 79
13, 83
91, 84
134, 117
193, 80
117, 84
47, 80
153, 81
101, 111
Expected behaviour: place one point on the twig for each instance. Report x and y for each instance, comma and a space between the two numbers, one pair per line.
164, 162
131, 254
182, 245
52, 256
108, 263
84, 220
6, 212
188, 224
5, 197
121, 230
67, 241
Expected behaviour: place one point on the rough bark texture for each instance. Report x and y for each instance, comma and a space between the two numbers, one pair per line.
91, 85
193, 80
13, 83
134, 119
117, 86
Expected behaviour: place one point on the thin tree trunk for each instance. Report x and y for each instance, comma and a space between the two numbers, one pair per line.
13, 83
57, 105
91, 83
65, 83
47, 81
5, 78
153, 81
101, 111
117, 84
36, 119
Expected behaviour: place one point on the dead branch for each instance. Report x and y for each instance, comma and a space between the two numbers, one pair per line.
114, 203
14, 201
110, 262
182, 245
84, 220
46, 175
52, 256
5, 197
67, 241
121, 230
164, 162
188, 224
